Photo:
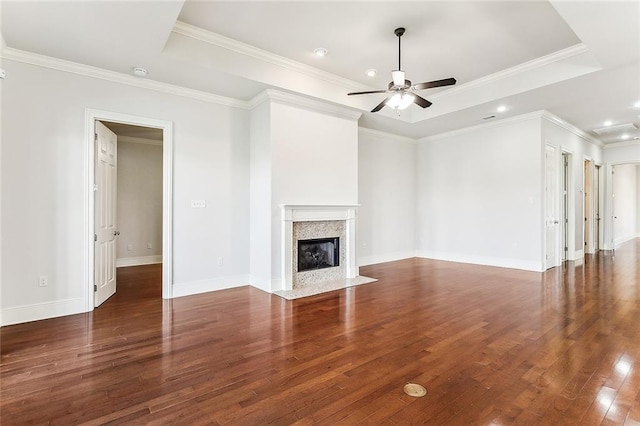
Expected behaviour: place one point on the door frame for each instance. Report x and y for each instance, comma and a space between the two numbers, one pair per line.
91, 116
568, 227
552, 212
587, 205
598, 205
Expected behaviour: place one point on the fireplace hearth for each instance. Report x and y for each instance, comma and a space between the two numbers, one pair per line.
318, 253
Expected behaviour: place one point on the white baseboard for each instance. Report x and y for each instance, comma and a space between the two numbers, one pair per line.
578, 254
204, 286
382, 258
619, 241
137, 261
40, 311
527, 265
265, 284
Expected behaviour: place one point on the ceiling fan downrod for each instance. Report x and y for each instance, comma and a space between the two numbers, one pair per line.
399, 32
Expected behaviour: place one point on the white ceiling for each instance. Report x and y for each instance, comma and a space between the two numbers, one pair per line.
578, 60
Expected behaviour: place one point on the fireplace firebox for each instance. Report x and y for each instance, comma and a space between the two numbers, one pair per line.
318, 253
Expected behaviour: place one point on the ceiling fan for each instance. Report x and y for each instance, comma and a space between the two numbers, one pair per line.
401, 91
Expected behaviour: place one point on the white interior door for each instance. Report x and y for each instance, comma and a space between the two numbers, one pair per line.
588, 216
552, 228
106, 147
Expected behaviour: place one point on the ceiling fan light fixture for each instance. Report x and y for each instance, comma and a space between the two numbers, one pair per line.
400, 101
398, 77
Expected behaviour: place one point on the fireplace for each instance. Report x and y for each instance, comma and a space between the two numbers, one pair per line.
333, 227
318, 253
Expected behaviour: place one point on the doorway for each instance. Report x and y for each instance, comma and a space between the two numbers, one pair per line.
91, 118
625, 205
137, 236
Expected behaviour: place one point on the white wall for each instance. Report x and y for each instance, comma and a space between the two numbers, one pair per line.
43, 175
314, 157
625, 202
480, 195
260, 197
622, 153
139, 202
387, 196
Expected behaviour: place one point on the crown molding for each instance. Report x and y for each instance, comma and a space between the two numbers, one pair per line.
533, 64
621, 144
304, 102
117, 77
495, 123
570, 127
542, 114
209, 37
384, 135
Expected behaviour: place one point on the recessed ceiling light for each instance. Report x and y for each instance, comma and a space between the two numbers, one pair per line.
372, 72
608, 123
501, 108
320, 51
140, 72
625, 137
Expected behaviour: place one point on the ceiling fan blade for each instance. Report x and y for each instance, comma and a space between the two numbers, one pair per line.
380, 105
435, 83
366, 93
421, 101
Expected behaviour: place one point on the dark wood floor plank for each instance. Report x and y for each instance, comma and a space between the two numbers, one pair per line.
490, 344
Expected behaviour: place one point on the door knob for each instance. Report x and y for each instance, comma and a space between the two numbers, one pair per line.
116, 233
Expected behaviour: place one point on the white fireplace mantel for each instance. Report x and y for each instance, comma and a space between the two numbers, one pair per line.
316, 213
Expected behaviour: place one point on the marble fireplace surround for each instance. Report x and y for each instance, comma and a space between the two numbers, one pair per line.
308, 213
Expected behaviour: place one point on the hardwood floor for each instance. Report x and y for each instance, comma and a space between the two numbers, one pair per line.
491, 345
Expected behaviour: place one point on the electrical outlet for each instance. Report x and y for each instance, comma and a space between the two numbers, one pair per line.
148, 245
129, 247
43, 281
220, 261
